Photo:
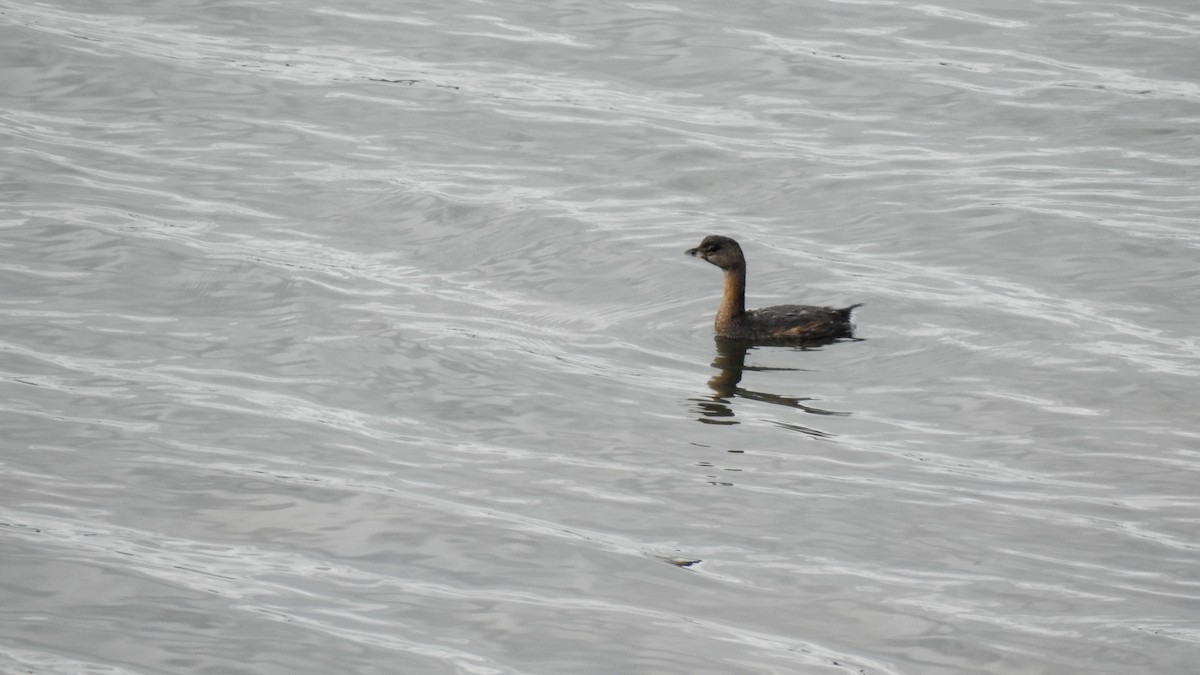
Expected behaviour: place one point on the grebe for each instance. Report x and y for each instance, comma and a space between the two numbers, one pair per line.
779, 324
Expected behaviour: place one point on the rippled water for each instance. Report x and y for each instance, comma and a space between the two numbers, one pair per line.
337, 337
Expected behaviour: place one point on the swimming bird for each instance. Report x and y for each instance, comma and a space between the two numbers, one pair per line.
778, 324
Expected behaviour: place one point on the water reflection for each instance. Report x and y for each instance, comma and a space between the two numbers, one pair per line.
730, 361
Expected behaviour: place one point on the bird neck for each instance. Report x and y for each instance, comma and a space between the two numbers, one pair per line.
733, 300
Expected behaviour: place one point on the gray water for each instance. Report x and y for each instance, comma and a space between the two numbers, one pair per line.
357, 337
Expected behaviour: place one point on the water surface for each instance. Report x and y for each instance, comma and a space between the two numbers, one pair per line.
348, 338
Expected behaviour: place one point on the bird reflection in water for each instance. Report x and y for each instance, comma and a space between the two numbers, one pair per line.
730, 361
